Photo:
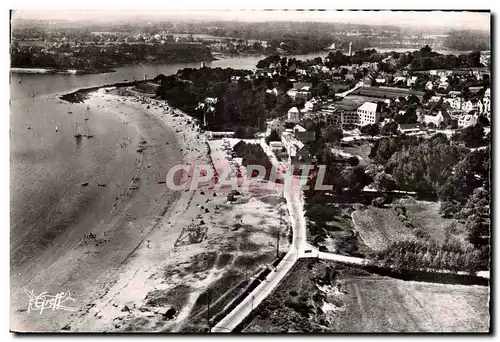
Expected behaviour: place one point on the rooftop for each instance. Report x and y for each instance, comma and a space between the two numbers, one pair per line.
369, 106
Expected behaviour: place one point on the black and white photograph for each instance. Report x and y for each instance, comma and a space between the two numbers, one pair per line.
249, 171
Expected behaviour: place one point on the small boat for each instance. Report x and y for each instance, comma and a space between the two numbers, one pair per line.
85, 184
102, 185
19, 80
89, 135
77, 134
70, 112
29, 127
57, 129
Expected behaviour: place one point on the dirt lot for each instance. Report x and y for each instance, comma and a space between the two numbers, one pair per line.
328, 297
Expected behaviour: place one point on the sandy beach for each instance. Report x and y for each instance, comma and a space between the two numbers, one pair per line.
148, 261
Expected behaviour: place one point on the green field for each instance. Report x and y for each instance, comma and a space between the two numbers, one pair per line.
329, 297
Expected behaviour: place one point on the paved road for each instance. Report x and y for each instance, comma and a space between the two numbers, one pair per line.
298, 249
294, 201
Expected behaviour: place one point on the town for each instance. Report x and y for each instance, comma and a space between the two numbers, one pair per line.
252, 176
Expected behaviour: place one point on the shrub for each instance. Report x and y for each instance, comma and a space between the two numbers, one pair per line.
378, 202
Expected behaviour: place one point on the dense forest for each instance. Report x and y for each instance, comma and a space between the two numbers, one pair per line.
468, 41
106, 56
240, 101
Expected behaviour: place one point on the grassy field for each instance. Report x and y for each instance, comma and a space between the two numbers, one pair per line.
425, 216
358, 148
328, 297
378, 227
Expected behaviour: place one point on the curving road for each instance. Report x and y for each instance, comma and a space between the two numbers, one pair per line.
298, 249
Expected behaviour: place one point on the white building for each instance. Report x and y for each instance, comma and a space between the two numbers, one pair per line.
273, 91
292, 93
487, 93
455, 103
486, 105
429, 85
435, 99
294, 115
411, 81
368, 114
470, 106
435, 118
467, 120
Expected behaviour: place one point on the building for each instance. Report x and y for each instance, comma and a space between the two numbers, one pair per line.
429, 85
312, 105
435, 99
368, 114
486, 105
411, 81
349, 119
470, 105
303, 135
276, 125
487, 93
296, 150
435, 118
294, 115
278, 148
467, 120
455, 103
409, 128
273, 91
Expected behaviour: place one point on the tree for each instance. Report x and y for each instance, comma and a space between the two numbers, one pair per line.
427, 95
472, 136
389, 128
273, 136
333, 135
378, 202
355, 178
425, 51
353, 161
483, 121
384, 182
370, 130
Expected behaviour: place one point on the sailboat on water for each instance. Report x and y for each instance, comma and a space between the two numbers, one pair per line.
77, 134
89, 135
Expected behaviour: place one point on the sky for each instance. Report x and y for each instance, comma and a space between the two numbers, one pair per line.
458, 20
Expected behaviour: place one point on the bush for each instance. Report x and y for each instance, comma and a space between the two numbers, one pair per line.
378, 202
449, 209
401, 210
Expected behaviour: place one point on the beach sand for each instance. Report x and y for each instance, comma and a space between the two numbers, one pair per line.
128, 283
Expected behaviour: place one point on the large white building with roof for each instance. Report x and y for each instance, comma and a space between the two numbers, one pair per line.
368, 114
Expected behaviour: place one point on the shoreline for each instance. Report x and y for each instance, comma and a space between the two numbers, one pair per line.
54, 71
71, 269
23, 70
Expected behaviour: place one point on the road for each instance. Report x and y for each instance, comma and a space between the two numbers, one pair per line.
298, 249
294, 201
